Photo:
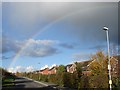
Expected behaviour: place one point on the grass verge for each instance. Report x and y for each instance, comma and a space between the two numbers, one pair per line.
8, 81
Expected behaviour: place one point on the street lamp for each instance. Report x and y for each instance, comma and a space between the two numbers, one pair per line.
109, 66
38, 73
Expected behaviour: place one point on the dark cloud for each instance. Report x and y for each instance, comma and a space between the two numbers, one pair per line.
9, 45
83, 21
36, 48
87, 24
86, 19
42, 52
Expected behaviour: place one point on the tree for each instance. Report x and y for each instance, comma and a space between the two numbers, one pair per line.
99, 72
61, 69
78, 73
66, 79
78, 70
60, 75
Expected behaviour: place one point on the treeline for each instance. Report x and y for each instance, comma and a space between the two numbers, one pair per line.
97, 79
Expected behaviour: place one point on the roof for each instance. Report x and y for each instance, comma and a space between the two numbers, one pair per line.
69, 65
44, 69
52, 68
116, 57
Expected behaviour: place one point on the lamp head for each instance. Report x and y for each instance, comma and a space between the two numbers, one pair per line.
105, 28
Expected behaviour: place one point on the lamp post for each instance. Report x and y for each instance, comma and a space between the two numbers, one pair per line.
39, 74
109, 65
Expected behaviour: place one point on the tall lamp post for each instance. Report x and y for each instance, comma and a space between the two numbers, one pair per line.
39, 74
109, 65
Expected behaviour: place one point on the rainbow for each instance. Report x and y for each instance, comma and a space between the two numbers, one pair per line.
44, 29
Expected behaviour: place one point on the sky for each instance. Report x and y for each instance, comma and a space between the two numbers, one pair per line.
36, 35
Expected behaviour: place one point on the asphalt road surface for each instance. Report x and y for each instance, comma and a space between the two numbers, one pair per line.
24, 83
29, 84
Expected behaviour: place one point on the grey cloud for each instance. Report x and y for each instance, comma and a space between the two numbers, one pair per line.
9, 45
41, 52
88, 24
82, 20
68, 46
86, 16
36, 48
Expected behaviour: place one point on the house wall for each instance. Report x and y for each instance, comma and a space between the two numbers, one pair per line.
45, 72
52, 71
71, 69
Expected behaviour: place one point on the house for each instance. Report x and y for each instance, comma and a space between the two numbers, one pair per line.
68, 67
47, 71
85, 67
44, 71
114, 65
52, 70
71, 68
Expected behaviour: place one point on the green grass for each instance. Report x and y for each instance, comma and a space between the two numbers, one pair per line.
8, 81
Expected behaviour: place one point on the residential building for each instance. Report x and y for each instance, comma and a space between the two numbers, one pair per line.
44, 71
71, 68
52, 70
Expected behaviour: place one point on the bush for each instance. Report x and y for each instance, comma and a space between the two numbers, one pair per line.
51, 78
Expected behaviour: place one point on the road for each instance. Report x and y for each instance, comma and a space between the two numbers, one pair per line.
24, 83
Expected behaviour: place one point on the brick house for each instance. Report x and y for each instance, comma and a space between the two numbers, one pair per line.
85, 65
72, 67
44, 71
52, 70
114, 65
